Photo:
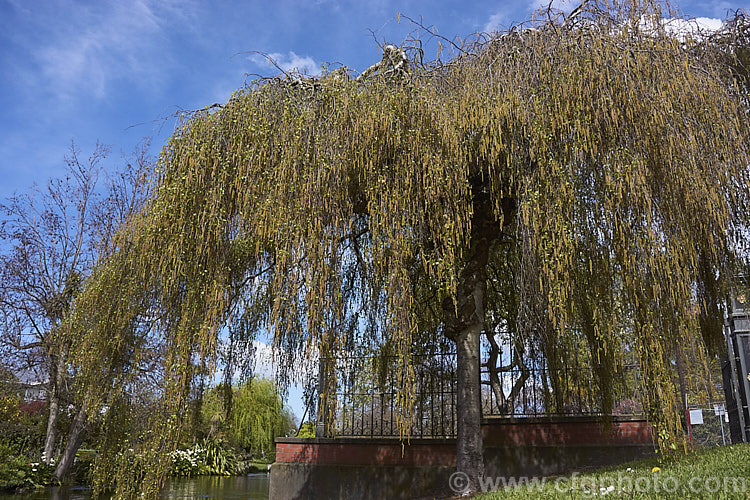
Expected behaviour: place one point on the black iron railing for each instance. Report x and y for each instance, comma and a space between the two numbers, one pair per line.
364, 398
538, 390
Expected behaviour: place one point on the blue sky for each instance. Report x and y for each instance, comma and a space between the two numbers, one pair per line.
109, 71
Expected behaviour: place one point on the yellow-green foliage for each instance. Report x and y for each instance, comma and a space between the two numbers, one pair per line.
256, 415
301, 204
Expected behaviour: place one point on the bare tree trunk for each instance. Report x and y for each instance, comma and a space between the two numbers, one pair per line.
55, 392
464, 324
469, 458
681, 380
75, 438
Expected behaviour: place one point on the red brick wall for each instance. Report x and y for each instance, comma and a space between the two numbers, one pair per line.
495, 432
361, 452
522, 432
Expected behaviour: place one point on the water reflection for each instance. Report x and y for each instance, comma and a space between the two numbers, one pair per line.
250, 487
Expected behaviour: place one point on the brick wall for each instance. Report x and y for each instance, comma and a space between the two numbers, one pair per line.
366, 451
562, 431
496, 432
372, 469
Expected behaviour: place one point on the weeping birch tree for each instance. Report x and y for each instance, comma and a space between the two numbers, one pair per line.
611, 151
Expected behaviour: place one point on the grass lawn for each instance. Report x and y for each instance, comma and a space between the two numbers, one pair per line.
721, 472
257, 466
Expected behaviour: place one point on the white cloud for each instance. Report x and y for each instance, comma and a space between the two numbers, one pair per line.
503, 18
692, 26
695, 28
495, 22
290, 62
267, 360
83, 54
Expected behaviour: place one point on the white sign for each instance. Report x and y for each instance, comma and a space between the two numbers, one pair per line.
696, 416
719, 409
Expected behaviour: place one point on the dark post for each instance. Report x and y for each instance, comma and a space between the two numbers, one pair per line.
321, 427
735, 368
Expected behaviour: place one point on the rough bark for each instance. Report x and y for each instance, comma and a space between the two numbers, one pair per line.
75, 439
464, 324
57, 370
469, 459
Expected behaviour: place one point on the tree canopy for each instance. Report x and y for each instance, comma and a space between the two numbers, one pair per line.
611, 151
255, 418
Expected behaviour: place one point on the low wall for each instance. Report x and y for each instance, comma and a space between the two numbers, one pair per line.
558, 445
386, 468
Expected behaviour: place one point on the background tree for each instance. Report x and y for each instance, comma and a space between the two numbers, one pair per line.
367, 211
251, 418
52, 237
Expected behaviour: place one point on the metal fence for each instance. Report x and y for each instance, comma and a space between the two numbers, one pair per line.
709, 425
363, 395
364, 400
538, 390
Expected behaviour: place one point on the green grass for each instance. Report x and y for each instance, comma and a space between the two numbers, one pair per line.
254, 466
721, 472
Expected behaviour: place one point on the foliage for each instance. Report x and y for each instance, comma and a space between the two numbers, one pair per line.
219, 458
347, 213
251, 420
17, 472
210, 457
9, 410
306, 430
81, 471
187, 462
22, 427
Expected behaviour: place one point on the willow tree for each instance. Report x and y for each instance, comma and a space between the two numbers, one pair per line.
614, 153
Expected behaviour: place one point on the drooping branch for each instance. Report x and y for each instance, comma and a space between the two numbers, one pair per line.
597, 136
394, 62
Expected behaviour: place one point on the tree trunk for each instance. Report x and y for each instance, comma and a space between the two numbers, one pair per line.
75, 438
681, 380
464, 324
57, 370
469, 459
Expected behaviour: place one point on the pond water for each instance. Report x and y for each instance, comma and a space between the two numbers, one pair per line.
250, 487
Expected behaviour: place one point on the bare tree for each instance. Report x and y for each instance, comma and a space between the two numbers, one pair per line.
51, 237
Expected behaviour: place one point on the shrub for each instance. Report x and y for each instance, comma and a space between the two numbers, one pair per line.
211, 457
17, 472
219, 458
306, 430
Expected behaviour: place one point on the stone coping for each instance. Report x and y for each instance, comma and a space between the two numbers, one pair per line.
487, 421
558, 419
366, 439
